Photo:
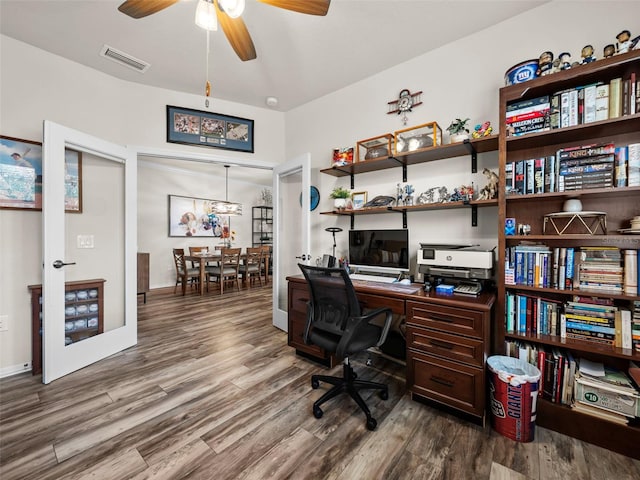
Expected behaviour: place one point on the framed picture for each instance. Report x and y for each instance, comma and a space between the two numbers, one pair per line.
21, 176
197, 217
207, 129
358, 199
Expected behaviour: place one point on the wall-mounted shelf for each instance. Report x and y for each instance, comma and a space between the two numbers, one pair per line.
473, 205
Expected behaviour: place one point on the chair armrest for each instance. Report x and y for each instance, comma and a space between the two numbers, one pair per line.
354, 324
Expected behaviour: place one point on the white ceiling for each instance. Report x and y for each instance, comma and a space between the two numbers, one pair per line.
300, 57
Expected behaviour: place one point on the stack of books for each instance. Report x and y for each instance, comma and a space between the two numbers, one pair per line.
589, 166
590, 319
635, 327
528, 116
600, 269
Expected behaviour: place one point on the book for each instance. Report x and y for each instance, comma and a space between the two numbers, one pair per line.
633, 165
586, 150
620, 179
589, 110
631, 272
602, 102
615, 98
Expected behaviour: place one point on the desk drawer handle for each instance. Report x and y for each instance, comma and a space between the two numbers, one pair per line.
441, 319
442, 381
438, 343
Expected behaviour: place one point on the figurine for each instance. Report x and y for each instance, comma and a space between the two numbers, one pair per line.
408, 198
624, 41
565, 60
483, 130
490, 190
555, 66
587, 55
545, 63
399, 195
609, 50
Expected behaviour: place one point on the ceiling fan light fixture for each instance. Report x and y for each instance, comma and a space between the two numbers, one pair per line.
232, 8
206, 15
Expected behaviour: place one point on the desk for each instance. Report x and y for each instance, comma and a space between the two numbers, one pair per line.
213, 256
447, 339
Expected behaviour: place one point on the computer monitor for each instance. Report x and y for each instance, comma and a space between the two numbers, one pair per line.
385, 251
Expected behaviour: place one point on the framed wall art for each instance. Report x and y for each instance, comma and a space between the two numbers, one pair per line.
197, 217
21, 176
207, 129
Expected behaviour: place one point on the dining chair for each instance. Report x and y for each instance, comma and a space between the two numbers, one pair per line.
196, 264
228, 268
251, 266
183, 273
265, 263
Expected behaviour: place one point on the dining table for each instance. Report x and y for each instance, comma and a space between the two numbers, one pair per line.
203, 257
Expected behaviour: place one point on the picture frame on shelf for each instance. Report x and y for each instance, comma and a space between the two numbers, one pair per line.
21, 176
207, 129
358, 200
342, 157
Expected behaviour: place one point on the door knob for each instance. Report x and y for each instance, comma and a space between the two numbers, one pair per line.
60, 264
304, 257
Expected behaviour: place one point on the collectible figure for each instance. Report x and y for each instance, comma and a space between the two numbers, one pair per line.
408, 199
587, 54
624, 41
609, 50
545, 63
555, 66
399, 195
483, 130
490, 190
565, 60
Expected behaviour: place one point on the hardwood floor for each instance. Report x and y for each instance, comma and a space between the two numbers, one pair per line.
212, 391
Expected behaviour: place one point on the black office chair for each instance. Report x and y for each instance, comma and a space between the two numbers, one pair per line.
335, 323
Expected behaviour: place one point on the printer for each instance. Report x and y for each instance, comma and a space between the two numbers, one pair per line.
465, 266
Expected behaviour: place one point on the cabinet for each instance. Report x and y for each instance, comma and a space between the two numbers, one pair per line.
143, 275
261, 225
402, 160
447, 340
84, 315
620, 204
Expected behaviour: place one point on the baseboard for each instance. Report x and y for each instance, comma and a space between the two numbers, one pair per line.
15, 369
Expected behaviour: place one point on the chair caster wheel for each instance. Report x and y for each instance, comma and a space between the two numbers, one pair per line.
317, 412
354, 375
315, 384
371, 424
384, 394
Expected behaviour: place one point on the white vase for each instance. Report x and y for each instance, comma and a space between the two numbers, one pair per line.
458, 137
340, 203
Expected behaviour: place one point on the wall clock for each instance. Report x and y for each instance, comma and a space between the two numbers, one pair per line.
314, 199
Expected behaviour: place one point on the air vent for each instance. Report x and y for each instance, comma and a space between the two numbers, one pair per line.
124, 59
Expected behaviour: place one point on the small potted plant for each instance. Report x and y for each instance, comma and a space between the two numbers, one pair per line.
458, 130
340, 196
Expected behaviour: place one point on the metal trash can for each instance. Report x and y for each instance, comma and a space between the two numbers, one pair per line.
513, 390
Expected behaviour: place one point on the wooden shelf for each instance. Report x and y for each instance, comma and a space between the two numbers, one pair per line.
480, 145
415, 208
584, 293
576, 345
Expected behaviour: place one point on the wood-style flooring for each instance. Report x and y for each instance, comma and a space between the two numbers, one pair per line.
212, 391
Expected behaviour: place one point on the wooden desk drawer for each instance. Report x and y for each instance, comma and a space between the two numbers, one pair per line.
456, 320
452, 347
453, 384
296, 339
298, 299
370, 302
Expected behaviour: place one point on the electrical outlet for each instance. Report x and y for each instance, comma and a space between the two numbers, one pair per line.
84, 241
4, 323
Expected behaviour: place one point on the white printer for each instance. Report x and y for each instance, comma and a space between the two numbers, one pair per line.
465, 265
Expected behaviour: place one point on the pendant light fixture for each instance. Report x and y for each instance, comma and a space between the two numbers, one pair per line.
227, 208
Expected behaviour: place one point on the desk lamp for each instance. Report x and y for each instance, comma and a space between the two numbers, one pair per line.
333, 231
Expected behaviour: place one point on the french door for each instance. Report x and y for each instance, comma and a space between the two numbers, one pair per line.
291, 223
98, 243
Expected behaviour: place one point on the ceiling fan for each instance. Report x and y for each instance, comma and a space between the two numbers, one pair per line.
228, 15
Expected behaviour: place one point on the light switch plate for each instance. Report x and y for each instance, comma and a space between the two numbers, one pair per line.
84, 241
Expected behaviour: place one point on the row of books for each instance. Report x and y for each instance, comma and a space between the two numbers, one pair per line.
602, 269
583, 318
589, 387
576, 168
575, 106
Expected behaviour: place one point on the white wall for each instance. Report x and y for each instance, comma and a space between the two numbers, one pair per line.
35, 85
459, 80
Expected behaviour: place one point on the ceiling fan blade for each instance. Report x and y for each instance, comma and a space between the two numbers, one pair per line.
142, 8
237, 34
310, 7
